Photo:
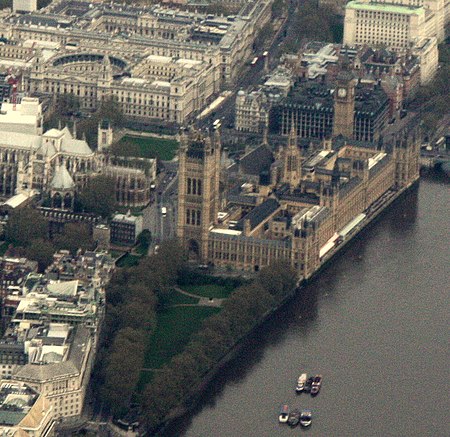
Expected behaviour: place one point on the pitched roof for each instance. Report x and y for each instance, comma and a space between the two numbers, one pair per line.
62, 179
259, 214
78, 147
256, 161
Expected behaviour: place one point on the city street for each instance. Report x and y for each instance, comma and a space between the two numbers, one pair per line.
251, 75
163, 227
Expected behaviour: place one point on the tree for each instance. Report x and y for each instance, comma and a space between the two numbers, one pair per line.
264, 34
110, 109
278, 279
88, 128
160, 397
135, 315
278, 7
42, 251
99, 196
75, 236
67, 105
24, 225
314, 22
159, 272
213, 343
143, 241
123, 369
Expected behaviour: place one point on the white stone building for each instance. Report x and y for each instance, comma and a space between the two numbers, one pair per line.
24, 411
427, 51
395, 24
252, 111
161, 63
59, 365
25, 117
28, 161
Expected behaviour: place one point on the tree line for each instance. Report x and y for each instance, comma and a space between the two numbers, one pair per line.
178, 382
312, 21
132, 297
26, 233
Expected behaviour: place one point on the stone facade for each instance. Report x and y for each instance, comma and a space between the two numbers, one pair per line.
319, 191
198, 190
312, 108
160, 63
58, 164
393, 24
252, 112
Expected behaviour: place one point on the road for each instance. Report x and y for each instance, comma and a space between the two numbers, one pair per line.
251, 75
163, 227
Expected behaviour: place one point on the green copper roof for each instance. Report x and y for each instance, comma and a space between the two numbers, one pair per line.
386, 7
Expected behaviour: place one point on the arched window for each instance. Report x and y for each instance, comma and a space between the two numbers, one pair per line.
189, 186
57, 200
199, 187
67, 201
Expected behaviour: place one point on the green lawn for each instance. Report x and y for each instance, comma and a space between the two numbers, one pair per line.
175, 326
210, 290
128, 261
177, 298
146, 147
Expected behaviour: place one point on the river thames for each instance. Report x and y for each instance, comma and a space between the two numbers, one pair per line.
374, 324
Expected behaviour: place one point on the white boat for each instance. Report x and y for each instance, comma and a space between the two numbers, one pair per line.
284, 414
301, 382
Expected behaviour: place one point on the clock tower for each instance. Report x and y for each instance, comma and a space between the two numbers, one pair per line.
344, 104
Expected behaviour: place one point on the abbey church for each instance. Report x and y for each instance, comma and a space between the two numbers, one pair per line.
57, 164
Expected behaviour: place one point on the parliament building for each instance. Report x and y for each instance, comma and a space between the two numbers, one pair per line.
291, 204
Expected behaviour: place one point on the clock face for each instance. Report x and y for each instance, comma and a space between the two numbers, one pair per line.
342, 92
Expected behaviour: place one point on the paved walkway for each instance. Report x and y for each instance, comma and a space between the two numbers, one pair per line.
203, 301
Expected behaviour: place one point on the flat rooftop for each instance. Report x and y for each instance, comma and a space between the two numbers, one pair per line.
385, 7
16, 400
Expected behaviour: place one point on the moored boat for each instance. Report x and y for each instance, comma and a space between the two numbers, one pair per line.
284, 414
316, 384
301, 383
305, 418
308, 385
294, 418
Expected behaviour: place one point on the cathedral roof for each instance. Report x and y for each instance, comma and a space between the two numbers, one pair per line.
78, 147
69, 145
62, 179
